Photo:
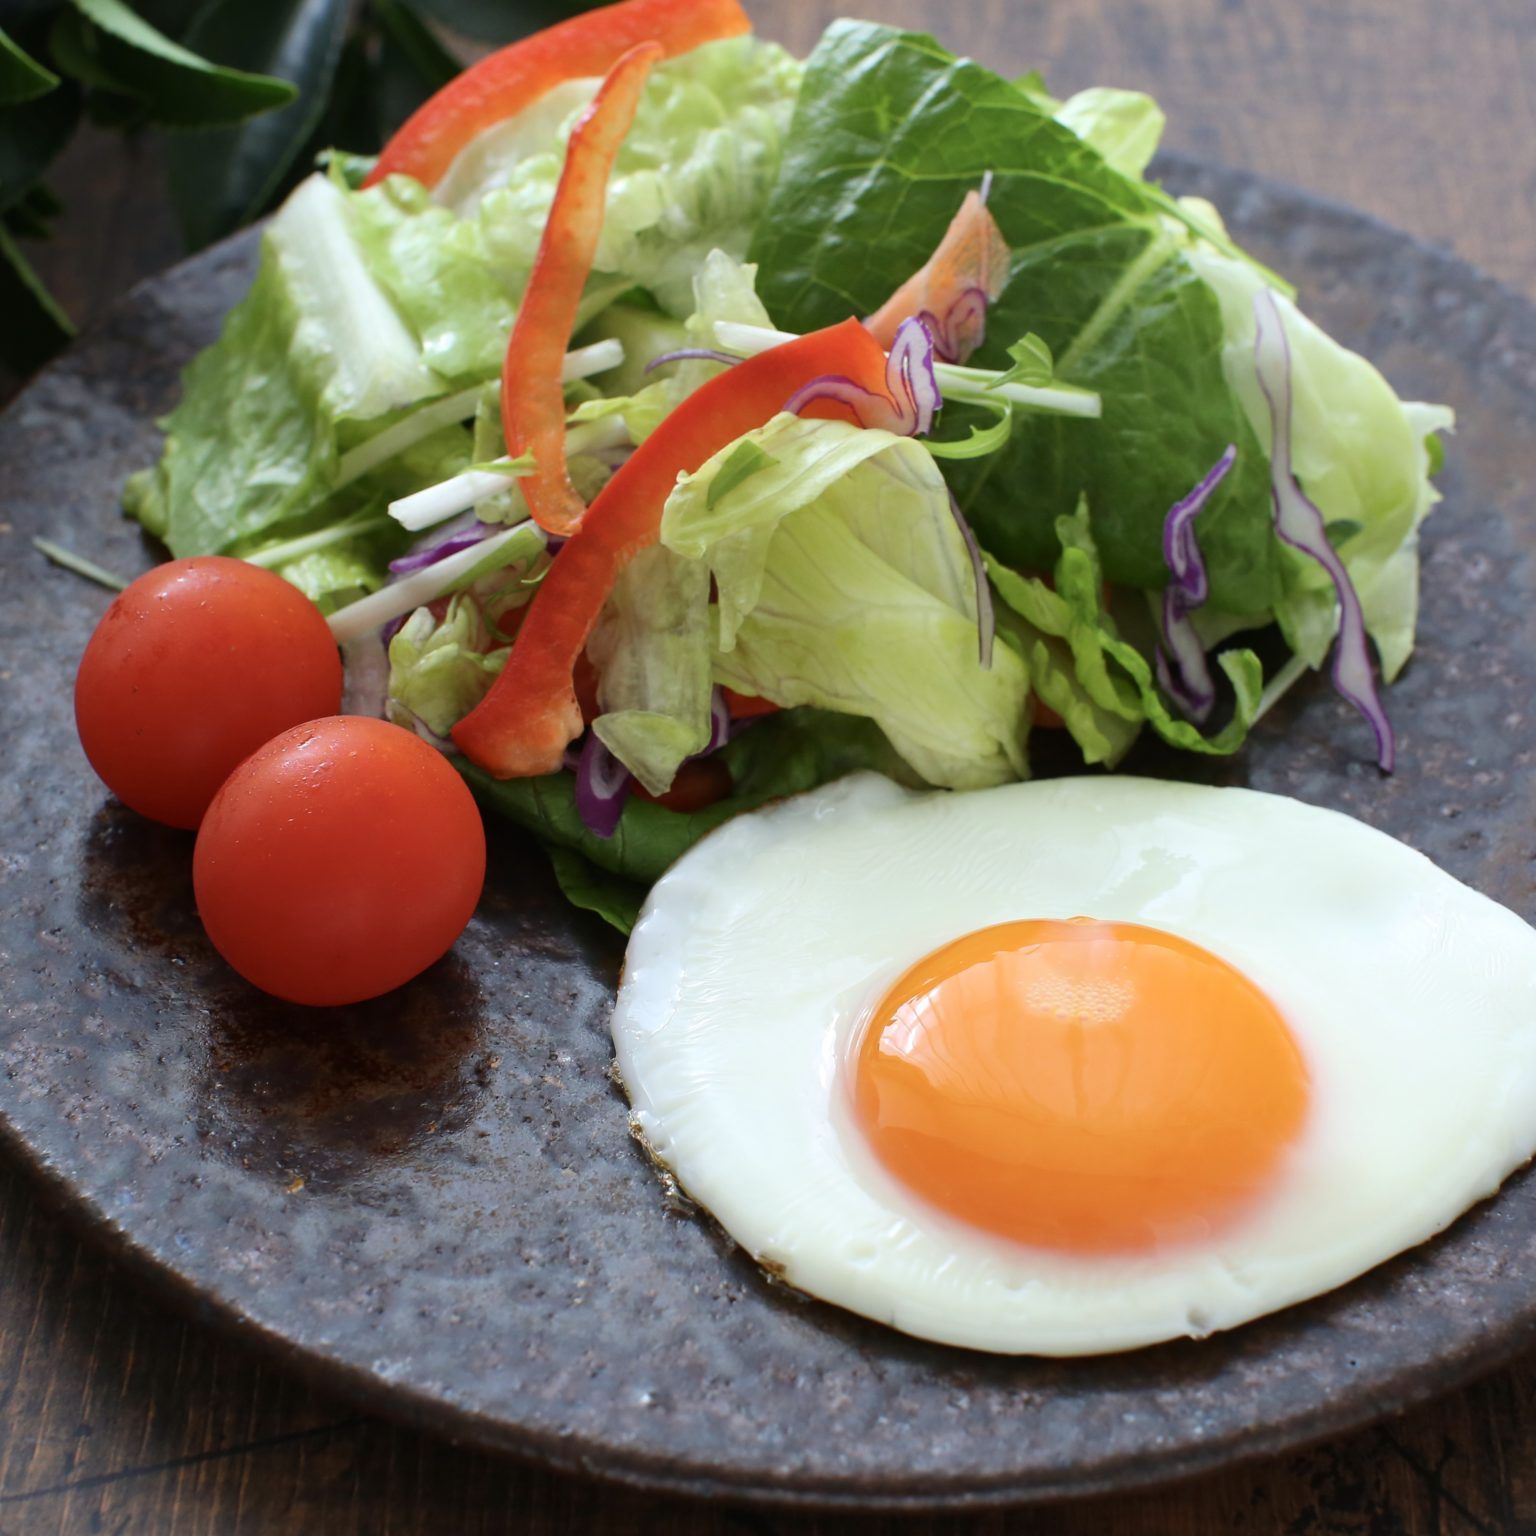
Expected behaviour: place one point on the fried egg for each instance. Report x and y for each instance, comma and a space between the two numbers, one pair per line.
1075, 1066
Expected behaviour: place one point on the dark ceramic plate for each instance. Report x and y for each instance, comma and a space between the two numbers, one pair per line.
433, 1203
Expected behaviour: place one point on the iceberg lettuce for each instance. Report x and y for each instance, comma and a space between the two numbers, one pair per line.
1101, 685
693, 174
1361, 454
369, 303
843, 581
439, 670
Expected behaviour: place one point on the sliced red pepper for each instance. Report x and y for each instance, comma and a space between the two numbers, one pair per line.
747, 706
532, 396
971, 260
524, 724
504, 83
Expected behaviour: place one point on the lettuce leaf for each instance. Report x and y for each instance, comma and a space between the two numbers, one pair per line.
1124, 126
723, 289
842, 581
436, 269
439, 670
1360, 453
367, 303
693, 173
780, 755
889, 134
315, 344
613, 898
1107, 689
651, 651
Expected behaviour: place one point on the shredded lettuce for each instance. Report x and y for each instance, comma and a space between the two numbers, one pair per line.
693, 172
723, 289
439, 671
651, 652
1360, 453
842, 581
1108, 684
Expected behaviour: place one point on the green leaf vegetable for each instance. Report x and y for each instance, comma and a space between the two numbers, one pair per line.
784, 755
250, 91
368, 304
890, 133
913, 606
842, 581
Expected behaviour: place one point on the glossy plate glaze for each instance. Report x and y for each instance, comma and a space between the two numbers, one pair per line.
433, 1202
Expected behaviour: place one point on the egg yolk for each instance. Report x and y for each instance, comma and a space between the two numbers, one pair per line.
1079, 1085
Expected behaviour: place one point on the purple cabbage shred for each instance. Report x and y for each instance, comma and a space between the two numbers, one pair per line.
603, 784
913, 398
692, 355
963, 329
986, 613
462, 533
1182, 667
1299, 523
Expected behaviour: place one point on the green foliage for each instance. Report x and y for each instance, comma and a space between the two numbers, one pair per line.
249, 92
890, 133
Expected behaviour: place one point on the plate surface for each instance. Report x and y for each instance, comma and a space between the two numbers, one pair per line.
433, 1201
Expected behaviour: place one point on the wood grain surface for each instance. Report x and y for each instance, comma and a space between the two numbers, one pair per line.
118, 1416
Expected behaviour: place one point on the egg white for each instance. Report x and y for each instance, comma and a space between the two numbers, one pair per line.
1411, 997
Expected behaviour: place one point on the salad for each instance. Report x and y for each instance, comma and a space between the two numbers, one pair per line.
665, 425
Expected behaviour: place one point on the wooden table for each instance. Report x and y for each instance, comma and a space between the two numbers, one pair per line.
118, 1416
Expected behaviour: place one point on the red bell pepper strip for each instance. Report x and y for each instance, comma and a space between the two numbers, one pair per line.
524, 724
747, 706
504, 83
954, 286
532, 396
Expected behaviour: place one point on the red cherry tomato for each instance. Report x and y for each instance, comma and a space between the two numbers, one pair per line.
338, 861
192, 667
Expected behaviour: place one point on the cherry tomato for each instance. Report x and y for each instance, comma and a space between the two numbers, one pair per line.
338, 861
192, 667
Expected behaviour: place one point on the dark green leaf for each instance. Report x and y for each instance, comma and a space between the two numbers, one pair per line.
35, 327
1435, 448
616, 900
417, 43
31, 134
21, 76
889, 134
118, 50
225, 178
1341, 530
782, 755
